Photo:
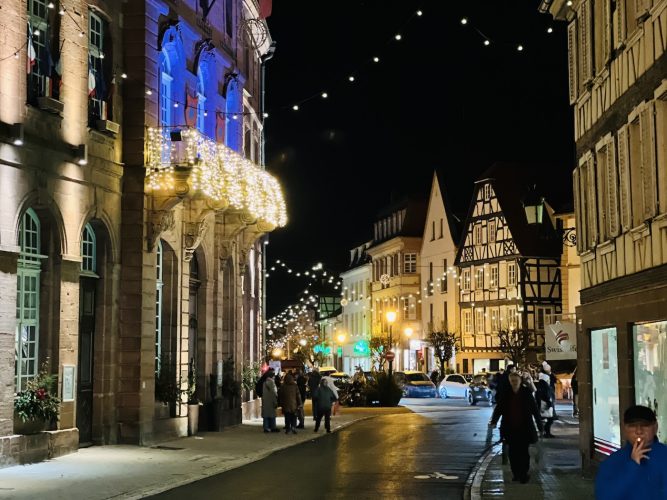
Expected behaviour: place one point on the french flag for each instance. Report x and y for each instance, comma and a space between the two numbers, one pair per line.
32, 55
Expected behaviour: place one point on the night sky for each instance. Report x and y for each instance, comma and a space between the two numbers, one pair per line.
439, 98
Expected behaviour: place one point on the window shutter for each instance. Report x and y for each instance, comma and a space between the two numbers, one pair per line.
591, 199
620, 23
607, 30
602, 195
625, 199
572, 60
612, 189
585, 45
577, 210
647, 131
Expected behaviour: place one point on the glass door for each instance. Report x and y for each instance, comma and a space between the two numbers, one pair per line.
606, 416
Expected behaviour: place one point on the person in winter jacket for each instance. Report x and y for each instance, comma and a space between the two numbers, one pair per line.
323, 399
290, 400
301, 384
639, 469
544, 403
313, 383
518, 409
269, 402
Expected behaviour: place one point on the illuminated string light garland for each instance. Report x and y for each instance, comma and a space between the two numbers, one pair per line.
218, 172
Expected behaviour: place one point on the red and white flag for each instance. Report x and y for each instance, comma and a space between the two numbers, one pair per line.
32, 56
91, 83
265, 8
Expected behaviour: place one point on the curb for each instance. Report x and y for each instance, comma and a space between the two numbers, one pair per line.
212, 471
473, 486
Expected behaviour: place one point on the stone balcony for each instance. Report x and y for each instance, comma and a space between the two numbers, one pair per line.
185, 164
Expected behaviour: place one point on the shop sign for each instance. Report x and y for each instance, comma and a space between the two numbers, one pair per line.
560, 340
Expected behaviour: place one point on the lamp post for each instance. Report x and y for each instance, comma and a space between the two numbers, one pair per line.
391, 318
533, 206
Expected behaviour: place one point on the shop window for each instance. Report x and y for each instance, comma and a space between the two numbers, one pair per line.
650, 362
606, 413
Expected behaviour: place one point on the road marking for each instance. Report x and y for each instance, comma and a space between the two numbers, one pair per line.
436, 475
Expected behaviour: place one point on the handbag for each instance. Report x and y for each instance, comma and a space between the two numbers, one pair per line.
546, 411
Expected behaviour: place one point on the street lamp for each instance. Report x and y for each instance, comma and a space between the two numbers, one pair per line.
391, 318
533, 206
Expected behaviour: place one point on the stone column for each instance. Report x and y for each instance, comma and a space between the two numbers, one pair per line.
8, 260
68, 334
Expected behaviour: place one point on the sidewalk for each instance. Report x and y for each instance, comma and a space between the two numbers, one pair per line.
129, 472
555, 469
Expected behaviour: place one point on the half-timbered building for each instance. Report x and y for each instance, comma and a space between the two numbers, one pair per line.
508, 270
618, 90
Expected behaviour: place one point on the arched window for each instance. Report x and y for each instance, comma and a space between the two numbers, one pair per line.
27, 300
234, 110
201, 102
88, 250
158, 306
165, 91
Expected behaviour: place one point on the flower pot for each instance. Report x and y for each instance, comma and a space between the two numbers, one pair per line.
193, 419
34, 426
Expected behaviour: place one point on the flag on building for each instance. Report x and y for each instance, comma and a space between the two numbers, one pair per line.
265, 7
32, 55
220, 124
91, 81
191, 108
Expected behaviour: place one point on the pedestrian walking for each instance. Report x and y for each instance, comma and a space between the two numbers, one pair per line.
269, 402
518, 411
639, 469
290, 401
545, 403
503, 382
313, 383
324, 398
301, 384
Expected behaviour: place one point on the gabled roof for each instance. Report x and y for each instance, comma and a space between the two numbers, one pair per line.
413, 224
454, 222
511, 182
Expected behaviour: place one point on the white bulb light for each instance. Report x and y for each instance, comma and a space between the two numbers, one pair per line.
550, 29
398, 36
123, 76
295, 107
324, 95
419, 13
519, 48
376, 59
487, 43
351, 78
464, 21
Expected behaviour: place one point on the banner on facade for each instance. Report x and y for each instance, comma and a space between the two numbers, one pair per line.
560, 340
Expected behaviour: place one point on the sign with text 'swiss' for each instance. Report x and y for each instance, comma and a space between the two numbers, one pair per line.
560, 340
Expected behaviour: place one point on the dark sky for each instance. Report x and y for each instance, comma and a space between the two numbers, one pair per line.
438, 99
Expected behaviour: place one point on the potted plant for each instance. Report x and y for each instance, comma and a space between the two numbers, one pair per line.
167, 390
249, 378
193, 400
36, 406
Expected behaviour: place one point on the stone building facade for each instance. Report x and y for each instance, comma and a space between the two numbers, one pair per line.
618, 89
133, 211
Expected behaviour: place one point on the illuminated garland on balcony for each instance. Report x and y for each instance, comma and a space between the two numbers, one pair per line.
218, 172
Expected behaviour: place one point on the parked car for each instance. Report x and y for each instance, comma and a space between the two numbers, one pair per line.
454, 385
341, 379
415, 384
479, 390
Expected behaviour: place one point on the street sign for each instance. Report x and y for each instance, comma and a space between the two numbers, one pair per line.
389, 356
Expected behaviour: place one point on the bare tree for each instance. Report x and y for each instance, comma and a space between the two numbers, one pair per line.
443, 344
515, 343
378, 347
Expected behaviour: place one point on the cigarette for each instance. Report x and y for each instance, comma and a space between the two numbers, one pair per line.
639, 439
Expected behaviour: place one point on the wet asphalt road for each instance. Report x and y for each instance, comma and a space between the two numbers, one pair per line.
425, 454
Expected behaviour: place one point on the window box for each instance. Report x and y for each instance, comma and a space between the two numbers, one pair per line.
107, 126
51, 105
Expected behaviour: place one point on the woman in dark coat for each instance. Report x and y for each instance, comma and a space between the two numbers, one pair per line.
290, 400
519, 410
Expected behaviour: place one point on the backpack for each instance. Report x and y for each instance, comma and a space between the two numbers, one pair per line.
259, 387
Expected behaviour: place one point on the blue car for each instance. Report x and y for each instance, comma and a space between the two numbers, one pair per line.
415, 384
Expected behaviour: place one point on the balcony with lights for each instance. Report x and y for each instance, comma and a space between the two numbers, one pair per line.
184, 163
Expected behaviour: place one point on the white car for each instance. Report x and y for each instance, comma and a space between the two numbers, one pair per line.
454, 385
